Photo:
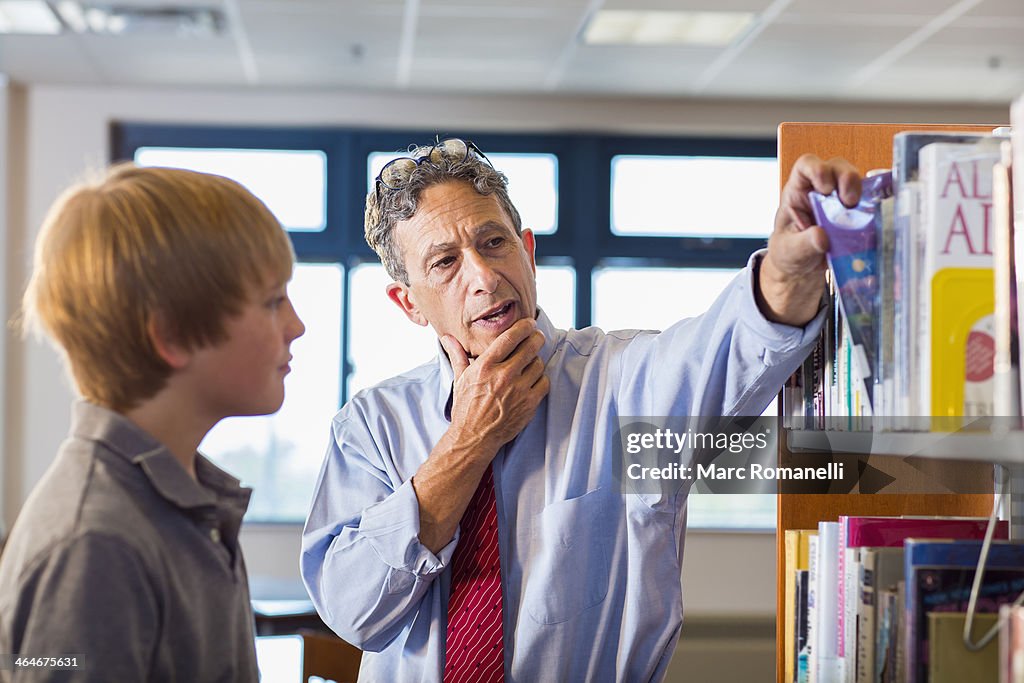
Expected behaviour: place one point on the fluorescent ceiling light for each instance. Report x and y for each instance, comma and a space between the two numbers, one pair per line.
27, 16
622, 27
85, 17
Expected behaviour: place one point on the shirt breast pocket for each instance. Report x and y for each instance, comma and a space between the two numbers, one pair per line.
572, 541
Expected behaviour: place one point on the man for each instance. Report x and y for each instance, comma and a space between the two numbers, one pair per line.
496, 459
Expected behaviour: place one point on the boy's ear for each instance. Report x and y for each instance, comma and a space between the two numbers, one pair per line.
170, 351
400, 294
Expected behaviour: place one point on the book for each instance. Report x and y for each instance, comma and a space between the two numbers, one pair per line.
800, 640
957, 295
1006, 362
796, 556
881, 571
807, 659
861, 532
1017, 194
890, 609
907, 255
949, 660
853, 235
939, 576
1011, 644
884, 391
827, 596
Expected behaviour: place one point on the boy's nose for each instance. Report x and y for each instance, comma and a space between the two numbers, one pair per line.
297, 328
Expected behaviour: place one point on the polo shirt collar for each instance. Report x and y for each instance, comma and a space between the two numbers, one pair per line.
124, 438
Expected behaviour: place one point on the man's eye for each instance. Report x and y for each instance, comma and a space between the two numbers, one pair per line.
496, 242
444, 263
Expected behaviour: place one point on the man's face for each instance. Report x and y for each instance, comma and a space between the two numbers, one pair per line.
470, 275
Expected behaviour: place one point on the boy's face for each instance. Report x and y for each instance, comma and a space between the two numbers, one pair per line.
244, 374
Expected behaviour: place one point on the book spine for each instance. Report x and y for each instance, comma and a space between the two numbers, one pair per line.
828, 607
811, 655
866, 618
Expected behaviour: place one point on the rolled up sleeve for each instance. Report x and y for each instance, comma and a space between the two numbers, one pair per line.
362, 561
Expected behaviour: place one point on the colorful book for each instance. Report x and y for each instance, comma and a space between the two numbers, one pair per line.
881, 571
796, 556
939, 577
856, 533
853, 235
957, 296
907, 254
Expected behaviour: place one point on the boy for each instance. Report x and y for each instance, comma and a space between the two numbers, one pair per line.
165, 291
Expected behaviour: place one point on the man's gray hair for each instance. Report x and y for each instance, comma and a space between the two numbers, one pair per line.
386, 207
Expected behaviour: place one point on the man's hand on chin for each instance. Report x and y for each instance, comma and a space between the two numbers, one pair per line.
495, 396
789, 280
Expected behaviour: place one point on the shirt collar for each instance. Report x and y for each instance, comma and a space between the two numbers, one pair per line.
552, 337
124, 438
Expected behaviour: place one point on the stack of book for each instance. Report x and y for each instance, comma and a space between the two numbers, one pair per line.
925, 325
880, 599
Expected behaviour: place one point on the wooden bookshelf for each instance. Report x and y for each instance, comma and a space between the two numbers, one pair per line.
867, 146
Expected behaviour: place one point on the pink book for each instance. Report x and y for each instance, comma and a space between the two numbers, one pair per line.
859, 532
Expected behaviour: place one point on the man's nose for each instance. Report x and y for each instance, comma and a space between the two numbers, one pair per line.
483, 278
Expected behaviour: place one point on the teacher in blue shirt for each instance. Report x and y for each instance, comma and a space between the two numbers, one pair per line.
467, 525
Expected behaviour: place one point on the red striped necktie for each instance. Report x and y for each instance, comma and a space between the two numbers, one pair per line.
474, 649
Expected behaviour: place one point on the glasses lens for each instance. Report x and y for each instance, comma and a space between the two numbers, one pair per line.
396, 171
453, 149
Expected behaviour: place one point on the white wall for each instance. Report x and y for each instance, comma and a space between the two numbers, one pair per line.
4, 165
64, 130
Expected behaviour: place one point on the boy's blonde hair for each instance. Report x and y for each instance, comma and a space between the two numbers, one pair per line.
147, 246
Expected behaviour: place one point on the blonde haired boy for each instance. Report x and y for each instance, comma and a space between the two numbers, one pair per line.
165, 291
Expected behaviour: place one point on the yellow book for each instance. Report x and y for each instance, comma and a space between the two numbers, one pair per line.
797, 557
957, 334
949, 661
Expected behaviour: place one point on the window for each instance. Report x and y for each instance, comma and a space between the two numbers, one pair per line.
616, 220
292, 183
698, 196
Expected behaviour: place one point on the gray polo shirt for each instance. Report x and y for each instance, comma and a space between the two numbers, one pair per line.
121, 558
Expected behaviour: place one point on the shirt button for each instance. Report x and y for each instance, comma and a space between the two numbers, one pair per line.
215, 535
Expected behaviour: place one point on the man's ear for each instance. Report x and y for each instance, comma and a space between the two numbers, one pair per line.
400, 294
172, 352
530, 244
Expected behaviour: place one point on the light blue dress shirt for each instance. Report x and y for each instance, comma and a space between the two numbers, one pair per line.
590, 575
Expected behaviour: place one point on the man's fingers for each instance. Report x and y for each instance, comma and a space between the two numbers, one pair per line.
507, 342
456, 354
540, 388
848, 181
811, 173
533, 370
526, 351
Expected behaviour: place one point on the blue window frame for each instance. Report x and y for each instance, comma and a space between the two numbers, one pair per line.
583, 239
